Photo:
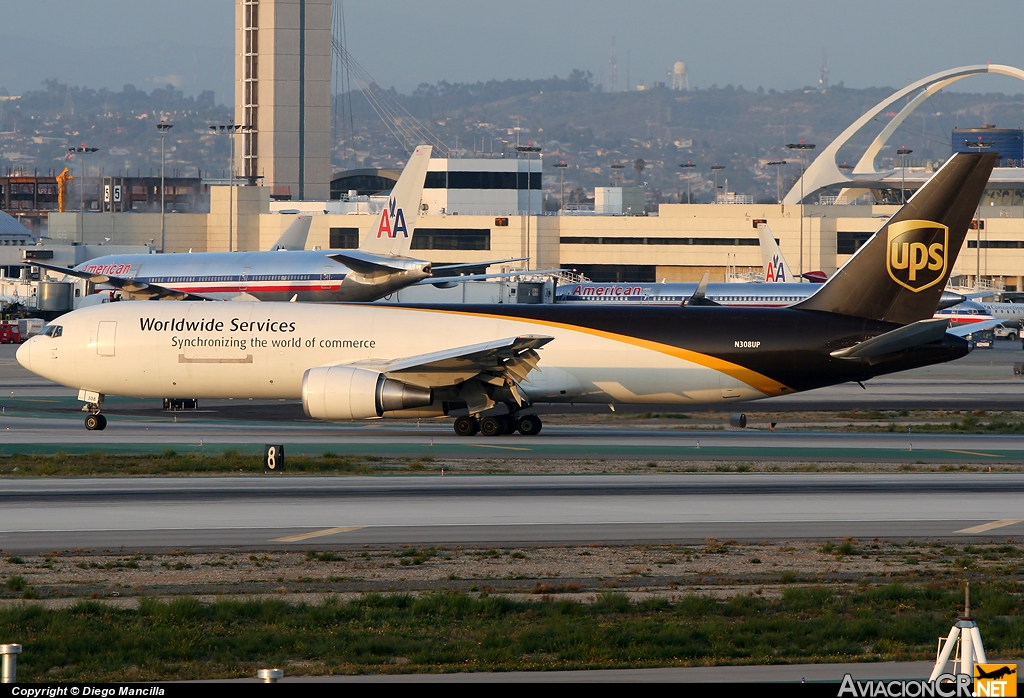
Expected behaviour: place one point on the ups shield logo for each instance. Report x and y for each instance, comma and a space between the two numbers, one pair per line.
916, 255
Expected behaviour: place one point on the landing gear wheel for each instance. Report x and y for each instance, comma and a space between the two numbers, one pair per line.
95, 422
510, 425
466, 426
529, 425
492, 426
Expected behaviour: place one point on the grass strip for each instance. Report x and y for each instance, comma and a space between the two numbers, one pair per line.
185, 639
170, 462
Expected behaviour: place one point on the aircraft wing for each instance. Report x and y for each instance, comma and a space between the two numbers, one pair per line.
369, 263
122, 283
500, 362
970, 327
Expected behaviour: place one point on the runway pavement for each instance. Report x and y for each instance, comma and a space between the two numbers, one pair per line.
281, 512
38, 417
435, 439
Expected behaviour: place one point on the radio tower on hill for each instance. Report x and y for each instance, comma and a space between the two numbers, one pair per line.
823, 77
613, 70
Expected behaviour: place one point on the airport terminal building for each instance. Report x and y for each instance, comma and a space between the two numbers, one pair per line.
479, 209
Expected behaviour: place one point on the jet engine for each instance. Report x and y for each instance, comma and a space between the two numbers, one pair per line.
345, 392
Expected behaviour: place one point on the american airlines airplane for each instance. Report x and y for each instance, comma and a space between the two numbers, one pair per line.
365, 361
380, 266
775, 291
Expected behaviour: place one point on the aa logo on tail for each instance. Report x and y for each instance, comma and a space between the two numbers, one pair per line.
392, 220
916, 254
775, 272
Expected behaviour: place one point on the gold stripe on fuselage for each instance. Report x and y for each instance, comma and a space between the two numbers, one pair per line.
755, 380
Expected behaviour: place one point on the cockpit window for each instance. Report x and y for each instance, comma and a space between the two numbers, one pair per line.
52, 331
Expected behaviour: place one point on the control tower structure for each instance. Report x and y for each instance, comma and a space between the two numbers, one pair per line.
283, 95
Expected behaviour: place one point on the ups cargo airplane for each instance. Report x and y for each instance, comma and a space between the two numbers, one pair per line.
380, 266
358, 361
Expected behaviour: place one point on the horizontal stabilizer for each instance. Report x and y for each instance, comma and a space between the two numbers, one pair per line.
441, 270
906, 337
971, 327
365, 263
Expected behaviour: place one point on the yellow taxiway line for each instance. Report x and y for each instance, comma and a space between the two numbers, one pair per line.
316, 534
989, 526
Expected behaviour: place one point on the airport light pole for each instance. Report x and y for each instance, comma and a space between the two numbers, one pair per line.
162, 128
561, 185
230, 130
688, 167
83, 151
800, 148
715, 169
903, 153
778, 178
978, 146
529, 150
617, 173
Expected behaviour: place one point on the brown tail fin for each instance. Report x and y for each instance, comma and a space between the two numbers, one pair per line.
899, 274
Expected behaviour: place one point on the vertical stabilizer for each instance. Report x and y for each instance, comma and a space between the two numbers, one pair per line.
392, 233
775, 268
294, 236
899, 274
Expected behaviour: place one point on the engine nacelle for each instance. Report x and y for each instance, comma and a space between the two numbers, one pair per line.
345, 392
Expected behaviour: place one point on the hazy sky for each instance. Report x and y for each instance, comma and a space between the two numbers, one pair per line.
770, 43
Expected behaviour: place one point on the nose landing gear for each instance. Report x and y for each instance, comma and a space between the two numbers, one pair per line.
96, 422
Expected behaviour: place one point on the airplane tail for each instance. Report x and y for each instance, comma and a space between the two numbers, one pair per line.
776, 270
393, 233
294, 236
899, 274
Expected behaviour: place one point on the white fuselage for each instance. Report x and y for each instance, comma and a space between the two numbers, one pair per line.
262, 350
309, 275
1014, 312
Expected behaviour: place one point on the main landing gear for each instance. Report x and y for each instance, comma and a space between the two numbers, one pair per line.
498, 425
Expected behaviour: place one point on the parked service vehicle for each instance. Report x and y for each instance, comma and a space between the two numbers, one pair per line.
10, 333
1008, 330
30, 326
983, 339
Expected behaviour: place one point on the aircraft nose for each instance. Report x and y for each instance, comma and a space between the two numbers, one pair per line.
24, 354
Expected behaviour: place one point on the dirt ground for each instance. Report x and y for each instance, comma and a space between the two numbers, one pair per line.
719, 568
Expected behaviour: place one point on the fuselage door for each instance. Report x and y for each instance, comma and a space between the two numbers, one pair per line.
325, 278
243, 279
105, 338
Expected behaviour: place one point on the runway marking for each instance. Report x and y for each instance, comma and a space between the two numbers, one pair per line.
989, 526
973, 453
504, 448
316, 534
